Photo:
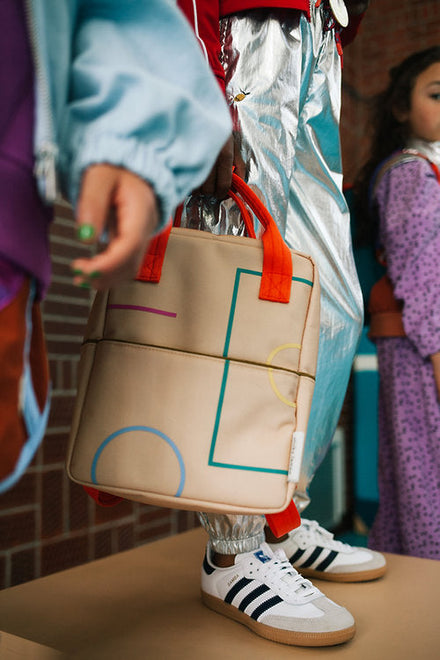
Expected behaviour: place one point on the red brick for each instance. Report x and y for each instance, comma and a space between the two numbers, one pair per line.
390, 31
78, 507
63, 289
153, 533
3, 584
17, 529
59, 555
23, 566
61, 410
187, 520
53, 373
52, 504
63, 346
54, 448
106, 513
65, 327
103, 544
22, 494
73, 309
125, 537
63, 211
68, 374
152, 514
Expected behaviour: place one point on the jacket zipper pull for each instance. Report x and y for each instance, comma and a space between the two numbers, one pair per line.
45, 171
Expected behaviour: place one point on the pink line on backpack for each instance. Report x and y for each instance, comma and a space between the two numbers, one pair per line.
139, 308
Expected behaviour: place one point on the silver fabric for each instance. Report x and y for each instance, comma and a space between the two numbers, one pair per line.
283, 77
233, 534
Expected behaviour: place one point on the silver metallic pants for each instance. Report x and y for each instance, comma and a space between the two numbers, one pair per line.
283, 77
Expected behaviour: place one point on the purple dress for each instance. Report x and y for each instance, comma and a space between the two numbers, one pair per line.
408, 518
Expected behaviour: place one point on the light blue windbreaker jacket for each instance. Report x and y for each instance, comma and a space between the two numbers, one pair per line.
123, 82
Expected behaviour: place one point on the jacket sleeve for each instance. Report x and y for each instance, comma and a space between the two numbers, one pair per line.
142, 97
204, 16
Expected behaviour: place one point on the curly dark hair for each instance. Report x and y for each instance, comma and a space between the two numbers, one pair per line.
388, 133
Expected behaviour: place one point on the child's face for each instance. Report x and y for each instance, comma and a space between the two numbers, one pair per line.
424, 115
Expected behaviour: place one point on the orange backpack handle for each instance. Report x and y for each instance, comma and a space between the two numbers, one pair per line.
276, 277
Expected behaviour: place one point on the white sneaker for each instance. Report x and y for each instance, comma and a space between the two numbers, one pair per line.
313, 551
263, 592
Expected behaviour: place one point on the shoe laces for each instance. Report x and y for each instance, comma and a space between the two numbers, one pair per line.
281, 576
314, 533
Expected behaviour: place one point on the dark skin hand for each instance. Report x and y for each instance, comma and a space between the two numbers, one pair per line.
219, 181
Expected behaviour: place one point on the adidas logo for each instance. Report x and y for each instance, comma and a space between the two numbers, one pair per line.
261, 556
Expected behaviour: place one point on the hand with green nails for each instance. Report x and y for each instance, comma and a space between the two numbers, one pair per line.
116, 200
86, 232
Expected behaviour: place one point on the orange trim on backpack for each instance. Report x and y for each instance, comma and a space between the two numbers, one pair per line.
283, 522
151, 268
276, 280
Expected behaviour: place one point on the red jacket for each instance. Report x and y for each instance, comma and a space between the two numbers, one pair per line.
204, 16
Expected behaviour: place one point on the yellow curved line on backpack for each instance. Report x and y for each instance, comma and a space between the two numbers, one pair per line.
275, 351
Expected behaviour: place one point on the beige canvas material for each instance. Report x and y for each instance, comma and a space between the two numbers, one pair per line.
191, 389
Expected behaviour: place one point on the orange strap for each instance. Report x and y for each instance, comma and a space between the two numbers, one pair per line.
386, 324
276, 278
151, 268
285, 521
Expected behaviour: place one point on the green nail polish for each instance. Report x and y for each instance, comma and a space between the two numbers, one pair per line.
95, 274
85, 285
77, 272
86, 232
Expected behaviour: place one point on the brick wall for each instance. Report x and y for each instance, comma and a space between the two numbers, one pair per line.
390, 31
47, 523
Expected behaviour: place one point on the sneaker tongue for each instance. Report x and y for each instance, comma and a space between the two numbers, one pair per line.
263, 553
267, 550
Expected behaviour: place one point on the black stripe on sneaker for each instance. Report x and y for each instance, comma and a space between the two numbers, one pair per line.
247, 600
299, 553
327, 561
238, 586
261, 609
207, 567
313, 557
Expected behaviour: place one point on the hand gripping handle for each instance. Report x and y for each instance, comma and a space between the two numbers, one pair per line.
276, 277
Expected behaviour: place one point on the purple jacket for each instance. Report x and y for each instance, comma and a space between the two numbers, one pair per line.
24, 219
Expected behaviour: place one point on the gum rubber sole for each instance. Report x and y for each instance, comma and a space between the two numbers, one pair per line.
277, 634
355, 576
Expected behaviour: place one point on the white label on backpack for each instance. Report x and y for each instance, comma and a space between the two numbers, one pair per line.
296, 455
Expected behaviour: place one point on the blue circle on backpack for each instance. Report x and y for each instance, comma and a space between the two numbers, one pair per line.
147, 429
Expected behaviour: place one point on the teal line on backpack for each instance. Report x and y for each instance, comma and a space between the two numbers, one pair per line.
219, 412
232, 466
211, 461
238, 274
